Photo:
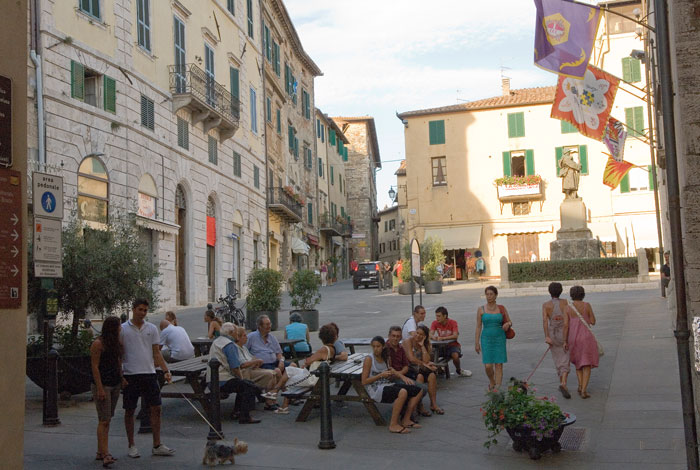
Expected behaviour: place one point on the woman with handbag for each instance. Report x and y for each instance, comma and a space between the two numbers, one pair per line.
583, 346
492, 326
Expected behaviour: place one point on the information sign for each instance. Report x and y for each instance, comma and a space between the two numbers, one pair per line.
47, 240
5, 121
10, 238
48, 195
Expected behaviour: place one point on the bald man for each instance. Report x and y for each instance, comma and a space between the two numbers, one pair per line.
175, 343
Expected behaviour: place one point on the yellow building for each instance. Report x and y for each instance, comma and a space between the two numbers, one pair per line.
455, 154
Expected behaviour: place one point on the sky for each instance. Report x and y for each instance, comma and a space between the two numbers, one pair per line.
383, 56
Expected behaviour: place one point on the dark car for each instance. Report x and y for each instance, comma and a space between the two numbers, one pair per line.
367, 275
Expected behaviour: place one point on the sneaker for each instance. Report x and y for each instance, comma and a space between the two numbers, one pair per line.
134, 452
163, 450
465, 373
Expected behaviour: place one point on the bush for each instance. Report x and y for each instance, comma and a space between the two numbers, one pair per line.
264, 290
432, 255
565, 270
304, 289
64, 342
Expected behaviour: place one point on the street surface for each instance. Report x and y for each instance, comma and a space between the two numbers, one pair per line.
633, 419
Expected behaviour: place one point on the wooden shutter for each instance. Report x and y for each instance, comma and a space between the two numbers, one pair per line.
651, 177
516, 125
110, 94
639, 120
583, 158
77, 80
529, 162
625, 184
627, 69
332, 176
558, 153
636, 70
506, 164
279, 121
436, 131
320, 167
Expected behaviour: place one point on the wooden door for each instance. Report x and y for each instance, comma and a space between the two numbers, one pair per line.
520, 245
180, 271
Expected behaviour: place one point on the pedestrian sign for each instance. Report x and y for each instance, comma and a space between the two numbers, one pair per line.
48, 195
48, 202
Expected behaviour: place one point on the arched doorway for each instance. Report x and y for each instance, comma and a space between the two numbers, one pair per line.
180, 252
211, 250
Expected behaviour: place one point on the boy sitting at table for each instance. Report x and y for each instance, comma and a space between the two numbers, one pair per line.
444, 328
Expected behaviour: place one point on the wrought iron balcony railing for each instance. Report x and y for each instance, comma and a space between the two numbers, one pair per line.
284, 205
330, 224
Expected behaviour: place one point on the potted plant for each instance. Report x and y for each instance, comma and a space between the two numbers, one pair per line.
432, 279
406, 286
534, 424
432, 257
519, 187
264, 296
304, 293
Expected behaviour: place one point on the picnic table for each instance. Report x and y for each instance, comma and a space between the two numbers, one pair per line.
290, 342
194, 372
201, 345
350, 343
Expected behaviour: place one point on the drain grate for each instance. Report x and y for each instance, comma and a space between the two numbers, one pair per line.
572, 439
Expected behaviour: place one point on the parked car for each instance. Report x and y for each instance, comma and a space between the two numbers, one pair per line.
367, 275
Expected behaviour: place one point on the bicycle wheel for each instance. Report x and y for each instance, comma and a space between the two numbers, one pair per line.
228, 317
238, 317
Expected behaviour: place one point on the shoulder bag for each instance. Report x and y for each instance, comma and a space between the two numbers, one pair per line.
601, 352
510, 332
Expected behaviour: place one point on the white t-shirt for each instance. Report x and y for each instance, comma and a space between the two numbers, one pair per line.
176, 339
138, 348
408, 327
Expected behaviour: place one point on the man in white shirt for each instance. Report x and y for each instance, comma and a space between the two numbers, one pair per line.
410, 325
141, 343
175, 344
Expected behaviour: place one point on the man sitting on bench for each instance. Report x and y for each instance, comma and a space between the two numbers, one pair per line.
265, 346
444, 328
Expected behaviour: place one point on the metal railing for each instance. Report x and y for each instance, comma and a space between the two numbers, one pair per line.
330, 222
278, 196
188, 79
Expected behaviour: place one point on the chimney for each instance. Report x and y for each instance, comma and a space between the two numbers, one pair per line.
505, 85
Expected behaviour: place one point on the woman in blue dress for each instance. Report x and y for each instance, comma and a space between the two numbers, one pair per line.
492, 322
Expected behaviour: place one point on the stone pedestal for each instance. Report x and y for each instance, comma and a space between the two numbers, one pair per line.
574, 238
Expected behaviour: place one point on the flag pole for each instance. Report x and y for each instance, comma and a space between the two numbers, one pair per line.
607, 9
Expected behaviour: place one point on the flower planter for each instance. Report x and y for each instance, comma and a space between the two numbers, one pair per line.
74, 373
519, 191
407, 288
433, 287
252, 319
524, 441
309, 317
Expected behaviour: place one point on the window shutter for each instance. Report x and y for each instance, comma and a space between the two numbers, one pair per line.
625, 184
559, 153
183, 133
629, 120
310, 212
147, 111
320, 167
583, 158
506, 164
636, 69
77, 80
235, 88
110, 94
290, 136
520, 124
651, 177
627, 69
345, 154
279, 121
511, 125
529, 162
639, 120
332, 176
436, 132
213, 157
567, 128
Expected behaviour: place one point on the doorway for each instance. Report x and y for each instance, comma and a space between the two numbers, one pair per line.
180, 252
520, 245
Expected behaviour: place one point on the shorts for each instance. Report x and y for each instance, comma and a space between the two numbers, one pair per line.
414, 376
453, 349
391, 392
138, 385
105, 408
273, 365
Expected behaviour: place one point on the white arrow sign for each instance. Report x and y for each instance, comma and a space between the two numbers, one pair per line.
15, 251
14, 235
14, 219
14, 271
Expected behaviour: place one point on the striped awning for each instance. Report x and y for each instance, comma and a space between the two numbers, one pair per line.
157, 225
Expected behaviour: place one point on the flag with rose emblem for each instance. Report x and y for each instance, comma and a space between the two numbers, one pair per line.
586, 103
564, 36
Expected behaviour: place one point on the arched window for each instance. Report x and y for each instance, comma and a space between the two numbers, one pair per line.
148, 197
93, 191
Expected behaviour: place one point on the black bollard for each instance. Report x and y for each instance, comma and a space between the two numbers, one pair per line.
326, 441
214, 402
50, 409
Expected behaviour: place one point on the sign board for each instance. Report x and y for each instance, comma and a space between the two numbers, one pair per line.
48, 195
5, 121
412, 211
359, 235
415, 258
44, 269
147, 206
10, 238
510, 190
47, 240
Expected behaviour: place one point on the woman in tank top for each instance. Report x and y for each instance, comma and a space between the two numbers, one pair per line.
556, 333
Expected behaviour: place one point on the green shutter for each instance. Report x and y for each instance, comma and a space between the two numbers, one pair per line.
279, 121
506, 164
651, 177
516, 125
77, 80
627, 69
559, 153
583, 158
636, 70
625, 184
639, 119
110, 94
235, 89
345, 154
332, 176
436, 132
567, 128
529, 162
310, 212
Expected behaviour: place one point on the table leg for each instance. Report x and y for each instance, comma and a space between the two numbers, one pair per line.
352, 348
309, 404
293, 353
368, 402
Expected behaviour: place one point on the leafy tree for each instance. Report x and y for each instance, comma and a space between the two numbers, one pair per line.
304, 289
264, 290
432, 255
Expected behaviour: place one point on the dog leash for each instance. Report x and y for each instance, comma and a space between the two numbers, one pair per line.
200, 414
538, 364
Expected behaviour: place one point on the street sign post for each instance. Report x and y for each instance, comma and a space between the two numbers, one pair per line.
416, 270
47, 240
5, 122
47, 195
48, 213
10, 238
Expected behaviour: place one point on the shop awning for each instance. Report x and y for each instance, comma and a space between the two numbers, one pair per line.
456, 238
338, 241
299, 247
644, 234
157, 225
514, 229
313, 240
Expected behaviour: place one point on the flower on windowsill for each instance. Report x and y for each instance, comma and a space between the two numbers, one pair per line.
518, 180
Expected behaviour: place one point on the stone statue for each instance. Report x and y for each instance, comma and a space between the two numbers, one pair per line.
570, 170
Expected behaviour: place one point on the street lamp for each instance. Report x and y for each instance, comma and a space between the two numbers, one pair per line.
392, 193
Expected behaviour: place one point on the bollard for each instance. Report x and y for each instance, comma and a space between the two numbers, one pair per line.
144, 417
214, 402
326, 441
50, 409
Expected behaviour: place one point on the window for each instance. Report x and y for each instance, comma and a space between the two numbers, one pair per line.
93, 191
268, 109
580, 150
279, 121
637, 180
310, 212
323, 133
183, 133
231, 6
256, 259
307, 157
634, 118
235, 92
332, 176
306, 104
439, 171
516, 125
267, 44
179, 35
143, 23
91, 7
213, 150
147, 113
209, 74
147, 197
236, 164
436, 131
345, 154
276, 57
256, 176
331, 137
318, 128
521, 208
386, 226
567, 128
392, 224
93, 88
320, 167
519, 163
253, 112
249, 4
631, 70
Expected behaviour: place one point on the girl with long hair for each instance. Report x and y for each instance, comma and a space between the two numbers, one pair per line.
214, 328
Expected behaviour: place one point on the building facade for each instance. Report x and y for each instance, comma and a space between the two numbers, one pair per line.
156, 109
362, 162
389, 234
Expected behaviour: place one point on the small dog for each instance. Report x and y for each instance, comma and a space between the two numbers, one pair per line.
219, 453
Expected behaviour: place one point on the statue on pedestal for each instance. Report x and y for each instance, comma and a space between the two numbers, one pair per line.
569, 172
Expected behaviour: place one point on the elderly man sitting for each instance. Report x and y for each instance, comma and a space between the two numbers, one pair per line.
230, 377
175, 343
265, 346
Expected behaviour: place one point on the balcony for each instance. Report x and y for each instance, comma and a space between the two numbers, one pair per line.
519, 188
283, 205
208, 101
330, 225
347, 230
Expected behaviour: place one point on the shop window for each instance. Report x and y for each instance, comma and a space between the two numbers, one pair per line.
93, 191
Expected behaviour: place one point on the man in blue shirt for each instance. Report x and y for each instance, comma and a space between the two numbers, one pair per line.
224, 350
265, 346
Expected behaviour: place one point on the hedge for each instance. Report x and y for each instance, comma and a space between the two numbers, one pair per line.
565, 270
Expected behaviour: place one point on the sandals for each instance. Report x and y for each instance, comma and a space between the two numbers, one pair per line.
425, 413
271, 407
403, 430
99, 456
414, 425
585, 395
270, 395
438, 411
282, 410
565, 393
108, 460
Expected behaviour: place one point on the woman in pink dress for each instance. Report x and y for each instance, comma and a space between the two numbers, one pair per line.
583, 347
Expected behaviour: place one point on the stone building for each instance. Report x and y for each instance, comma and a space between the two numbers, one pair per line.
389, 234
156, 109
362, 162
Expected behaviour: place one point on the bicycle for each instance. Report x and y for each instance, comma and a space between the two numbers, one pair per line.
229, 312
